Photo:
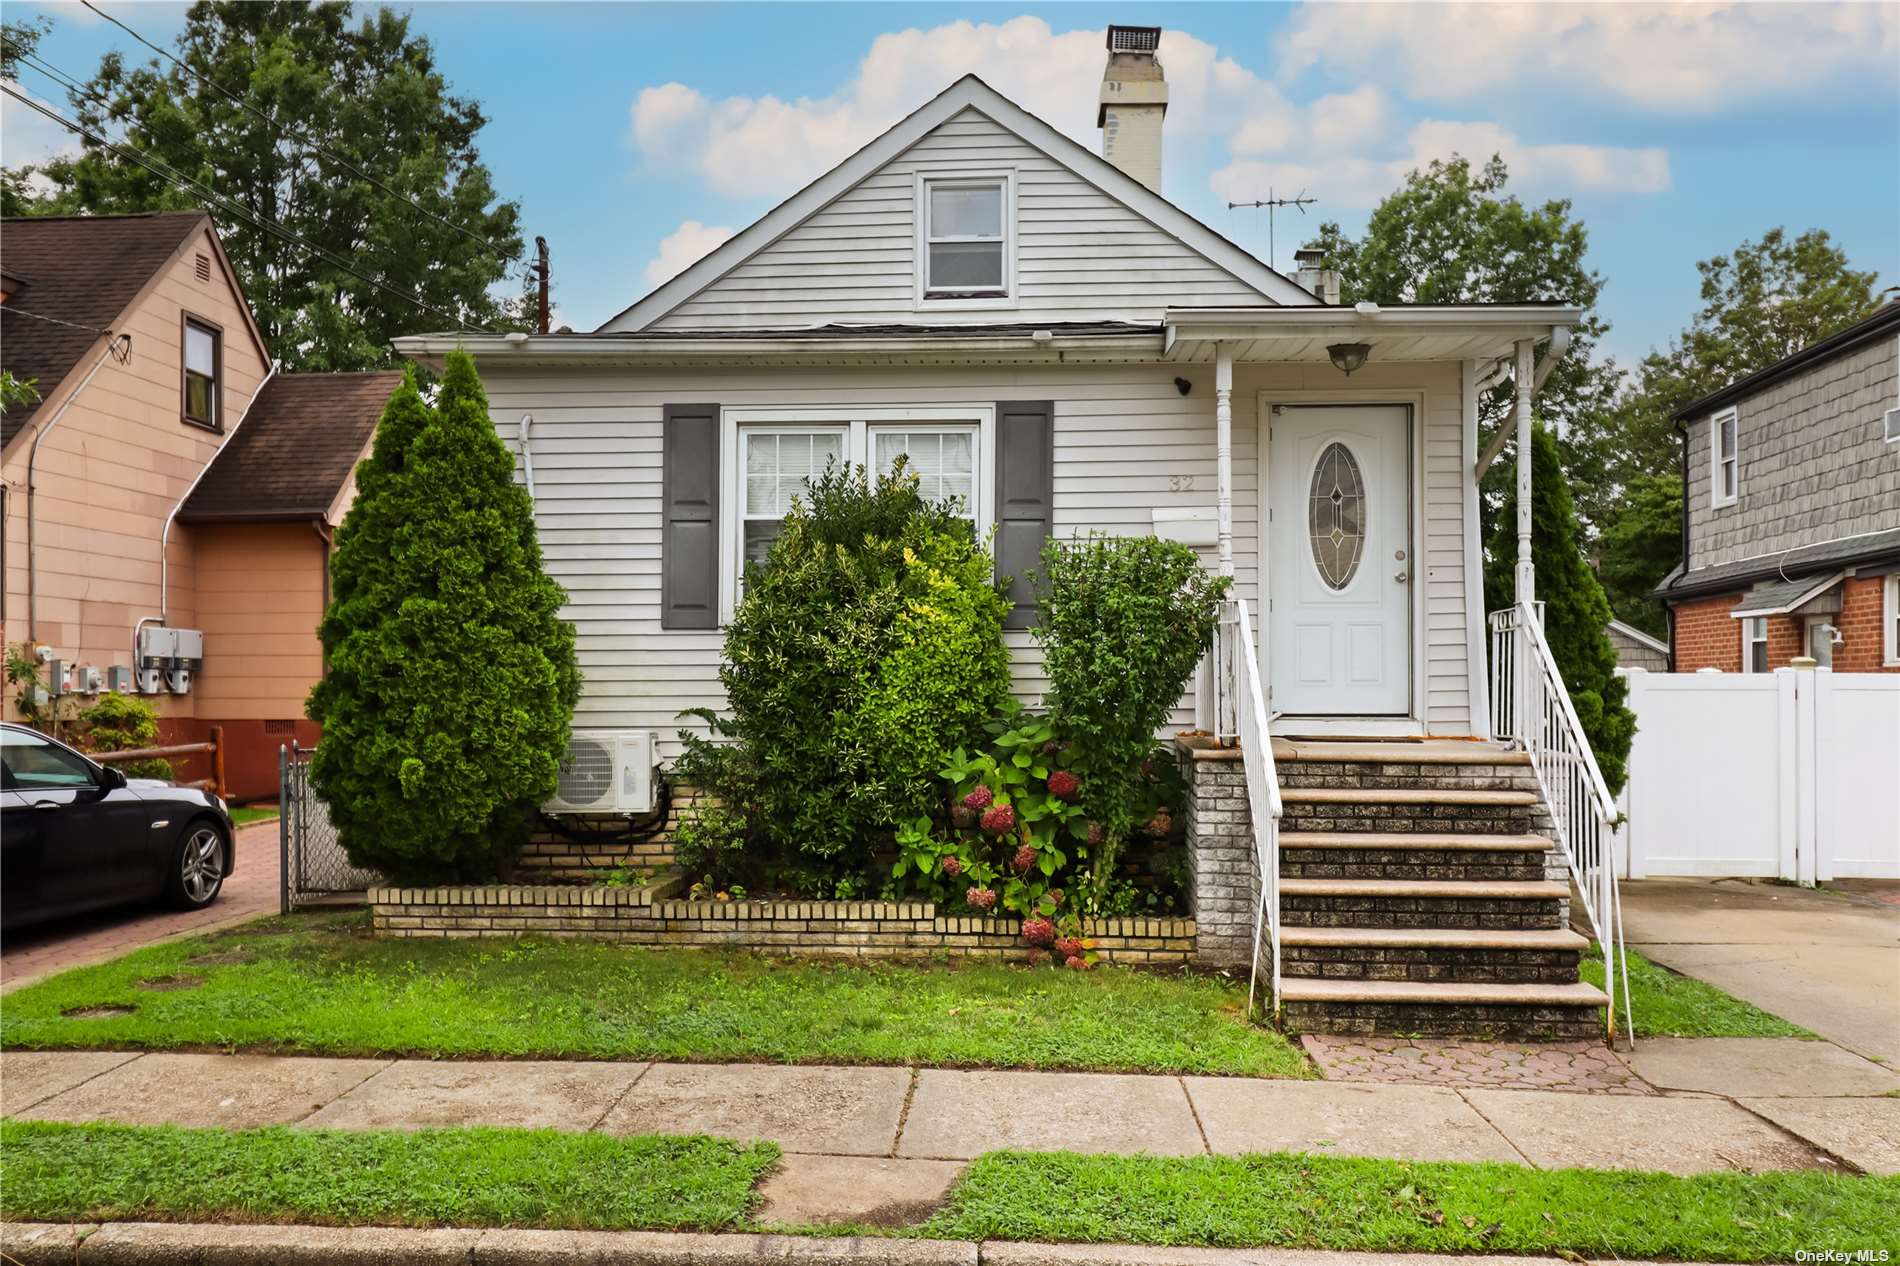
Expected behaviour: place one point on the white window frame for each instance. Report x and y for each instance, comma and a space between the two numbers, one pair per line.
1717, 498
1890, 621
857, 422
920, 217
1750, 624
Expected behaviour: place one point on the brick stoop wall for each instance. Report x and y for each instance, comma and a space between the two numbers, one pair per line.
650, 915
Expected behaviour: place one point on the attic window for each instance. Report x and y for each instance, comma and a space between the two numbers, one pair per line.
204, 267
966, 239
203, 366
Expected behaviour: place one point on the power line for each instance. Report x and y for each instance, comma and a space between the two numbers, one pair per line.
13, 310
172, 176
286, 130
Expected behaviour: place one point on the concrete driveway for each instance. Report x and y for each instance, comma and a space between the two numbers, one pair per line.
1827, 960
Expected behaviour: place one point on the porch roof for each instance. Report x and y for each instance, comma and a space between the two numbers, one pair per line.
1417, 332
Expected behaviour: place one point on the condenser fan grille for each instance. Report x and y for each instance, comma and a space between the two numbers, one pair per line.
587, 775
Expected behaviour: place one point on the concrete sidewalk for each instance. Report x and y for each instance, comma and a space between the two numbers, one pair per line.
864, 1141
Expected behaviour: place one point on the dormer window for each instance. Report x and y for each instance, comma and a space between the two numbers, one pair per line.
966, 240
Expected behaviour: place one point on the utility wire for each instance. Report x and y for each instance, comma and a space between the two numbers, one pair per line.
12, 311
286, 130
169, 174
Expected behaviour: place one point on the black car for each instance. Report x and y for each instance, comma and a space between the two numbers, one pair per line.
76, 835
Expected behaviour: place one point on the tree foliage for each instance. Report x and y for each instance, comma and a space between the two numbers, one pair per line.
1576, 610
311, 84
451, 677
1639, 547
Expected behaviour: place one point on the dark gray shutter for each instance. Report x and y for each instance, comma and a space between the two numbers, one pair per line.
1025, 498
689, 526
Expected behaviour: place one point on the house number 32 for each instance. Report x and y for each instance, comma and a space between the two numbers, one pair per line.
1180, 483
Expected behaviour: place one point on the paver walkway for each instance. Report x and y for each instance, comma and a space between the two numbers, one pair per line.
819, 1115
34, 952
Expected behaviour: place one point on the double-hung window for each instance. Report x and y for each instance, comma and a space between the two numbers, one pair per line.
204, 366
778, 451
965, 240
1755, 644
1725, 464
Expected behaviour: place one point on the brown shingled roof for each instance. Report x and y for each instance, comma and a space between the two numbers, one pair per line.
295, 448
79, 269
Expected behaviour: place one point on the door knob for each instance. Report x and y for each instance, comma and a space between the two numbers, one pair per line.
1401, 575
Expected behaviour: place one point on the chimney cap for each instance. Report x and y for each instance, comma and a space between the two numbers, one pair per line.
1309, 255
1134, 39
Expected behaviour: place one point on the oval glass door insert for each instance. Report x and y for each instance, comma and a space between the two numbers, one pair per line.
1336, 515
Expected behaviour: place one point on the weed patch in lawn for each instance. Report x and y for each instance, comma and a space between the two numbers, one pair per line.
1329, 1202
318, 985
1668, 1004
468, 1177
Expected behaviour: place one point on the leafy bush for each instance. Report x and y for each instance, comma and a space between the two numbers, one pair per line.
451, 678
867, 644
1123, 623
123, 723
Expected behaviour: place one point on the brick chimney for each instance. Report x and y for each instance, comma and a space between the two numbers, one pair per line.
1134, 101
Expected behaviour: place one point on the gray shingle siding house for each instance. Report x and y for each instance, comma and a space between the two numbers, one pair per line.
1792, 518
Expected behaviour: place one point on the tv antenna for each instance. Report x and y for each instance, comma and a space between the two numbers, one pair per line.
1273, 204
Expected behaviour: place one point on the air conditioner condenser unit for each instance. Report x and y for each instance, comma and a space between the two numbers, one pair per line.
606, 771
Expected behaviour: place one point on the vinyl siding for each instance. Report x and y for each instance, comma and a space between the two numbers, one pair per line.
1126, 442
1081, 255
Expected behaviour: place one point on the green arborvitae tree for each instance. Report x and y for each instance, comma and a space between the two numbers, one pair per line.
343, 131
452, 678
1639, 547
1575, 607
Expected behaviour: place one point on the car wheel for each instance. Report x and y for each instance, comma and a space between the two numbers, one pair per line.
197, 868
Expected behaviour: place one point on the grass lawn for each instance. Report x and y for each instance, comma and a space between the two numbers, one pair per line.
480, 1177
1333, 1202
244, 816
318, 983
1668, 1004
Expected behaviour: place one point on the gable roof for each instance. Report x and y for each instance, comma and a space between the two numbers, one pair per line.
295, 449
1882, 322
78, 273
968, 92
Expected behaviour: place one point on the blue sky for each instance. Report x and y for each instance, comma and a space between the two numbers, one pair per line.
634, 135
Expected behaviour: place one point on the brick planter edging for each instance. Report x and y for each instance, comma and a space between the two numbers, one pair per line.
650, 916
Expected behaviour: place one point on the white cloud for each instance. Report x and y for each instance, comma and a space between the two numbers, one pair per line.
1678, 57
27, 136
682, 248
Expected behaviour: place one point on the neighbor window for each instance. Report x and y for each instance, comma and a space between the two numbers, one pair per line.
778, 452
203, 366
1820, 631
1755, 644
1890, 622
965, 238
1724, 456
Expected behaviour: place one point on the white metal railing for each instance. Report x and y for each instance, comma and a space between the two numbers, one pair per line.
1531, 706
1240, 711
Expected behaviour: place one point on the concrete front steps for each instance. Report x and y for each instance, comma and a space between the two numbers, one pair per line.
1417, 897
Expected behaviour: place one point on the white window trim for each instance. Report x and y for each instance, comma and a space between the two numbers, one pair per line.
920, 213
1889, 617
856, 422
1749, 623
1716, 497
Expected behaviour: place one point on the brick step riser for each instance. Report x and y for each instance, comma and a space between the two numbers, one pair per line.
1431, 963
1411, 819
1406, 777
1379, 863
1516, 1023
1490, 914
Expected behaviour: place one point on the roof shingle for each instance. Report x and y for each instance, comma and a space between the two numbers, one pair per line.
295, 448
78, 269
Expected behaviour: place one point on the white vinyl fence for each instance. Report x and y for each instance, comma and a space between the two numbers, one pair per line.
1793, 774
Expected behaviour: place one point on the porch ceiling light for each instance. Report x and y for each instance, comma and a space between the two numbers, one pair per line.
1347, 357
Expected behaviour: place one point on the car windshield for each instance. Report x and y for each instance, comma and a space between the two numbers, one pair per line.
32, 761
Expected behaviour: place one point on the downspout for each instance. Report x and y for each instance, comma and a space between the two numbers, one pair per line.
1669, 609
527, 455
165, 536
122, 342
1559, 345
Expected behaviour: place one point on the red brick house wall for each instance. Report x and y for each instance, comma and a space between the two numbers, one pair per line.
1707, 636
1862, 643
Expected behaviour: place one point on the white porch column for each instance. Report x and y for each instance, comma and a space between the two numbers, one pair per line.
1224, 452
1526, 573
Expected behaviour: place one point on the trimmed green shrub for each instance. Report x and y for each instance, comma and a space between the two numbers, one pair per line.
1576, 610
124, 723
1123, 624
867, 644
451, 677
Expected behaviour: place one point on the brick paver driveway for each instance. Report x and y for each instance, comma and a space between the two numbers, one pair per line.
45, 948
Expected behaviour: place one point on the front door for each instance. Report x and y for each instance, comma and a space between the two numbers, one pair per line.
1339, 500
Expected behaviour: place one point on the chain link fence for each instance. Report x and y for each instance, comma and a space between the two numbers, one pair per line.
316, 870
